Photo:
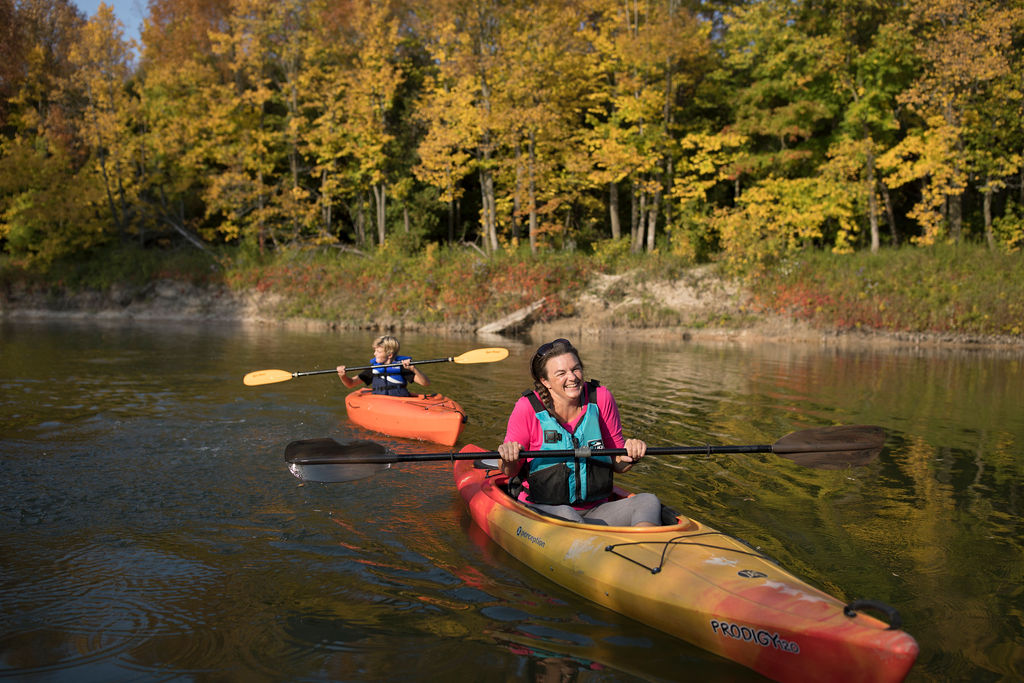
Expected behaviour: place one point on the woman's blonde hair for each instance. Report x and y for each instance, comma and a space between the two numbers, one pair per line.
388, 343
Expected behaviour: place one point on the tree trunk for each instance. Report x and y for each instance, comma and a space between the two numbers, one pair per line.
326, 216
261, 226
872, 199
986, 209
451, 221
613, 210
652, 220
489, 218
955, 202
380, 195
890, 214
531, 196
360, 222
634, 214
638, 236
517, 195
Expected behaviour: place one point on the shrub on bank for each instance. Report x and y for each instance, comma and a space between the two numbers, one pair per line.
441, 285
965, 289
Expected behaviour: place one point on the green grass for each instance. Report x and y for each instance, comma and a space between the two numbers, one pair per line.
964, 289
110, 266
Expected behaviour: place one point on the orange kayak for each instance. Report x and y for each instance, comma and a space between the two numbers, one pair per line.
430, 417
697, 584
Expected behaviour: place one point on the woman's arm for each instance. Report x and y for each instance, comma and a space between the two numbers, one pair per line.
611, 432
521, 434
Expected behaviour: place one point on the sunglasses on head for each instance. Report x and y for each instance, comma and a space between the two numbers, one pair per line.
546, 348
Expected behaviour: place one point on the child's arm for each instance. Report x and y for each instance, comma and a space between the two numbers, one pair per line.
417, 376
350, 382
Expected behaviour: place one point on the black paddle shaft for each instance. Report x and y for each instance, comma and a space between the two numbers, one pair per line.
320, 452
370, 367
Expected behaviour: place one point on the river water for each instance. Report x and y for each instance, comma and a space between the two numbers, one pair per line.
150, 529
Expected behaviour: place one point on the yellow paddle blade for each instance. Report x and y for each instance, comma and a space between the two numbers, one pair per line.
489, 355
266, 377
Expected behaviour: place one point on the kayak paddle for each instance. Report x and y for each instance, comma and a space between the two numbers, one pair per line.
837, 447
488, 355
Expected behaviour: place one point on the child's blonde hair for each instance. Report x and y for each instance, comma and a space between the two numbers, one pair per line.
388, 343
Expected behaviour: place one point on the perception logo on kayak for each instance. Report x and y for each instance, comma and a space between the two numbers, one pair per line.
530, 537
759, 636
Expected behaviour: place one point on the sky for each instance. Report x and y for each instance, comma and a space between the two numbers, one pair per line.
130, 12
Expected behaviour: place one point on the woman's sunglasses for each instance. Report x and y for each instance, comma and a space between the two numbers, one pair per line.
546, 348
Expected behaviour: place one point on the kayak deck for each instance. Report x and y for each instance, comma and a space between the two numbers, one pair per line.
696, 583
429, 417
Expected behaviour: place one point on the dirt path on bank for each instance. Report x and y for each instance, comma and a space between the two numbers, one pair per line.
698, 306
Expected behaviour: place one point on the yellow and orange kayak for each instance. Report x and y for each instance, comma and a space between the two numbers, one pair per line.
698, 584
430, 417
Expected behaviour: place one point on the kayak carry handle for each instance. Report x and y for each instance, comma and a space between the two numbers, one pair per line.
895, 621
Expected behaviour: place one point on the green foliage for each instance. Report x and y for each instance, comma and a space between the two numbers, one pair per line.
780, 217
1008, 229
48, 211
611, 253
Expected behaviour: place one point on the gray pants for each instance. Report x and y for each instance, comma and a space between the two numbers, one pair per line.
643, 507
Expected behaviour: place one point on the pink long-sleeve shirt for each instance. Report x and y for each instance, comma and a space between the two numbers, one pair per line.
524, 427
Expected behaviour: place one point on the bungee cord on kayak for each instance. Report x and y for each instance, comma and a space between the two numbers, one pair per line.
679, 541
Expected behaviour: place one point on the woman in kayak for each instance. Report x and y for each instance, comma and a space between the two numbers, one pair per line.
564, 412
391, 381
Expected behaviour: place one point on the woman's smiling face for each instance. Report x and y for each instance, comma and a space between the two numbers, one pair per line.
563, 376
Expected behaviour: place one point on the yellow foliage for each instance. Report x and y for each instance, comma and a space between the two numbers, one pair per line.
780, 216
925, 156
705, 160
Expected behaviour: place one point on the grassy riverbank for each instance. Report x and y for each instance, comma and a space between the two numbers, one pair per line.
960, 291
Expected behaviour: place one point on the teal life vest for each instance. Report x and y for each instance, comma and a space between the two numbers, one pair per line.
390, 381
568, 480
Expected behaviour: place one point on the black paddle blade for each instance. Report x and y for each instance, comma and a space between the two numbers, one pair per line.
832, 448
318, 460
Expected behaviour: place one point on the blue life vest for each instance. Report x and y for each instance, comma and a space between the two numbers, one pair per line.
390, 381
569, 480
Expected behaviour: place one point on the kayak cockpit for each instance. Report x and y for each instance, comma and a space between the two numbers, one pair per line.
669, 517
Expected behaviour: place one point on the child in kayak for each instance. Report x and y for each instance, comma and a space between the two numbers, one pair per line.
564, 412
390, 381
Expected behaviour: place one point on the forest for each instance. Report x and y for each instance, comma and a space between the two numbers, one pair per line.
741, 131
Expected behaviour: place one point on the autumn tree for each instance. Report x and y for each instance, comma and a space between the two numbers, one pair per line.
99, 88
964, 47
370, 83
245, 133
874, 65
650, 55
48, 190
463, 40
545, 71
177, 69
